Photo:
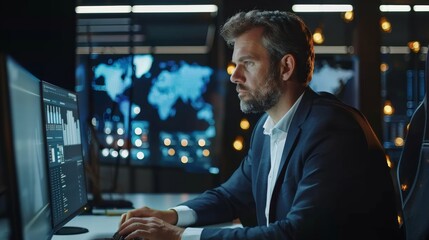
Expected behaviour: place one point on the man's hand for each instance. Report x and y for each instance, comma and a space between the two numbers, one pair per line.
149, 228
150, 224
169, 216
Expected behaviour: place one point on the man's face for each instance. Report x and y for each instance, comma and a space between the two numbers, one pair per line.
258, 82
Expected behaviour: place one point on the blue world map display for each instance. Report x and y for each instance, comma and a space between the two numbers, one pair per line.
330, 79
160, 105
336, 74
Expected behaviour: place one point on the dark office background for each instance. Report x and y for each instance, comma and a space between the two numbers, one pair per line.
43, 36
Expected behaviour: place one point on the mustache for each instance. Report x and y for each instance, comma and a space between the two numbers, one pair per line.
240, 87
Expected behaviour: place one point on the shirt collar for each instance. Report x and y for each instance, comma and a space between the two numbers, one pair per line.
284, 123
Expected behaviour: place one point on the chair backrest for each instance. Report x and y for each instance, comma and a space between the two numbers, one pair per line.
413, 172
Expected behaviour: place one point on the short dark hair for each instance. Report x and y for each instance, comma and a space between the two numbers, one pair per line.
284, 33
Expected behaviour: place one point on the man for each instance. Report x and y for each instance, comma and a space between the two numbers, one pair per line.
314, 170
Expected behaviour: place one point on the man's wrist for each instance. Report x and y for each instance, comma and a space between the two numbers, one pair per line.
170, 216
174, 216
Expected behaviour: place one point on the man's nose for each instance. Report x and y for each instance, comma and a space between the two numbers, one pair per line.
236, 76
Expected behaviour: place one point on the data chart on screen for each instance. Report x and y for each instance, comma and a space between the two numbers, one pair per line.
64, 150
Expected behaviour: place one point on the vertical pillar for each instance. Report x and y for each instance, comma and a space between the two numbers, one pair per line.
367, 42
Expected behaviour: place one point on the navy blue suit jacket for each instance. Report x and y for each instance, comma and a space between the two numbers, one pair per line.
333, 181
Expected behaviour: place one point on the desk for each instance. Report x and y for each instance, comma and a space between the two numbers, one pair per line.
99, 226
102, 226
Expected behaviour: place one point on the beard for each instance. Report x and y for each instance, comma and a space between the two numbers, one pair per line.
265, 97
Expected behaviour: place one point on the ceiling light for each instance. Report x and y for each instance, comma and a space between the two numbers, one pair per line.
143, 50
331, 49
421, 8
209, 8
395, 8
322, 7
103, 9
394, 50
202, 8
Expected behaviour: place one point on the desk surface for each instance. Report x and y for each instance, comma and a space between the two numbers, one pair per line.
102, 226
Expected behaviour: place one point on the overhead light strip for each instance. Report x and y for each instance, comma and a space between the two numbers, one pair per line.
331, 49
421, 8
394, 50
210, 8
205, 50
202, 8
322, 7
348, 7
103, 9
395, 8
143, 50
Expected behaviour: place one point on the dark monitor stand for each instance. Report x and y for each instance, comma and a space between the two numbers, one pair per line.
71, 230
97, 200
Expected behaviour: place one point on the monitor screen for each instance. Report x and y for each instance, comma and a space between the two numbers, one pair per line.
64, 151
24, 152
156, 110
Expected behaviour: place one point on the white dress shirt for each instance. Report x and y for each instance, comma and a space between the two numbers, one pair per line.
278, 133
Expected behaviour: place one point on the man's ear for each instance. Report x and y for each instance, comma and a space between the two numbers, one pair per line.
287, 67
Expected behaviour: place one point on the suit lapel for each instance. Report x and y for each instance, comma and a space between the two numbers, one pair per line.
262, 178
291, 140
295, 127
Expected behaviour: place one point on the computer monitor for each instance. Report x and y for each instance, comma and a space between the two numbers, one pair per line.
65, 157
5, 232
23, 153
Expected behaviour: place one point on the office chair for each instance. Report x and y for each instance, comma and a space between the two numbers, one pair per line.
413, 172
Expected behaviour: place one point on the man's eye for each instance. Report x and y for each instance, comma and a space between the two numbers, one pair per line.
248, 63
